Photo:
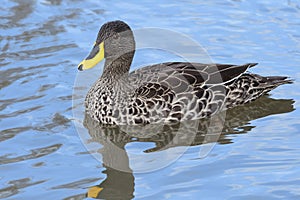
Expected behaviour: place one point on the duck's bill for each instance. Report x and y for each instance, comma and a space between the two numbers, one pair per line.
96, 55
94, 192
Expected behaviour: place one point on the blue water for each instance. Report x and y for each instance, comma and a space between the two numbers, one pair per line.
42, 154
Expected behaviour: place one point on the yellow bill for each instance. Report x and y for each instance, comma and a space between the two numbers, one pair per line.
94, 191
96, 55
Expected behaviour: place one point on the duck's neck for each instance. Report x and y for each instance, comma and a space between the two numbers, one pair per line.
116, 68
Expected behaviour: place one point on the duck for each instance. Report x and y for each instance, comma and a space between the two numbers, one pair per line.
164, 92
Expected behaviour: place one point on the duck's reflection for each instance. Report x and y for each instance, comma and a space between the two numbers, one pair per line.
119, 183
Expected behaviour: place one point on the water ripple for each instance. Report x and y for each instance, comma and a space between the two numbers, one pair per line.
11, 132
77, 184
35, 153
16, 185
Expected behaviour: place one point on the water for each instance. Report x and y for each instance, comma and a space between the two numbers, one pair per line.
42, 155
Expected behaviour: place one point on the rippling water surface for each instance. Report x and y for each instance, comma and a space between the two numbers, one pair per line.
42, 155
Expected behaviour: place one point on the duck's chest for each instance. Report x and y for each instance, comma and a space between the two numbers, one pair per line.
105, 104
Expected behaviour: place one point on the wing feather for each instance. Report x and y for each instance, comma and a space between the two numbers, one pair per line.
195, 74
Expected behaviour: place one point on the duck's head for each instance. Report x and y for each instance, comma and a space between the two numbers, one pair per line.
115, 40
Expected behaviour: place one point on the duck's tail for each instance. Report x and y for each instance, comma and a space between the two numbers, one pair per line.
269, 83
276, 80
252, 86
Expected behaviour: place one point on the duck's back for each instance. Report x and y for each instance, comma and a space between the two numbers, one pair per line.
182, 91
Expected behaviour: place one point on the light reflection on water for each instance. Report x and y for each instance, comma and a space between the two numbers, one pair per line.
41, 154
